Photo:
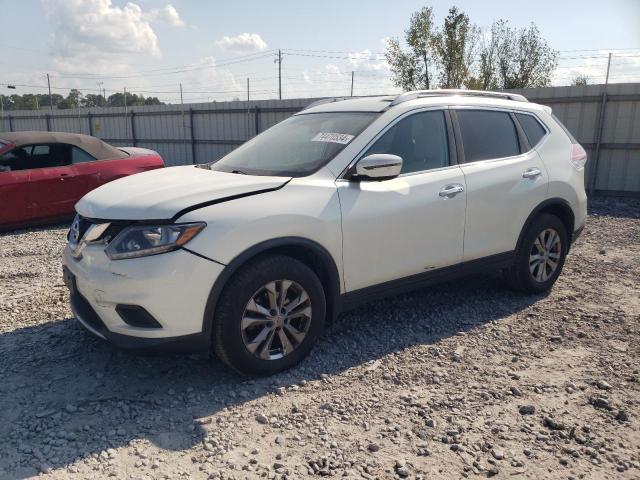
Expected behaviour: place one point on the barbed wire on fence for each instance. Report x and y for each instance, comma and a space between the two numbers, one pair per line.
354, 76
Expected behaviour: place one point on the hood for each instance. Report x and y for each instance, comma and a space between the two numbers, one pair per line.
161, 194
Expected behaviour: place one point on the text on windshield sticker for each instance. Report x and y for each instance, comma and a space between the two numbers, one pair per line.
332, 137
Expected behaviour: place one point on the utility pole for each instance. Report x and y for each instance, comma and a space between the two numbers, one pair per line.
184, 125
248, 111
352, 83
279, 74
600, 128
104, 96
125, 100
50, 97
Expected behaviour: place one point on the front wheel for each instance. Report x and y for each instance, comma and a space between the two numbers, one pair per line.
269, 315
541, 255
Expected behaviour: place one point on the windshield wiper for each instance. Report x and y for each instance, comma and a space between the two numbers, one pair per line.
239, 172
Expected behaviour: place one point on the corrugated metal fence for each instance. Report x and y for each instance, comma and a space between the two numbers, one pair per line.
199, 133
605, 121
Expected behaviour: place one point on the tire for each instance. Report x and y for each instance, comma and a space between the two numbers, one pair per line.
528, 256
239, 326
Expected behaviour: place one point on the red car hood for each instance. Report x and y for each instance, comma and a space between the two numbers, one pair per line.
162, 193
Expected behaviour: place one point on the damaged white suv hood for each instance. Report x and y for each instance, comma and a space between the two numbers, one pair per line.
163, 193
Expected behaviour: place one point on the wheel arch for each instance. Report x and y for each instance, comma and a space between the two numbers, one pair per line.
558, 207
309, 252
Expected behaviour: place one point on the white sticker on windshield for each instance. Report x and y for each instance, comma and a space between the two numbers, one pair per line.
332, 137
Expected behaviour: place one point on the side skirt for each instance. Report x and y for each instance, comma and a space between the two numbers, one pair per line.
353, 299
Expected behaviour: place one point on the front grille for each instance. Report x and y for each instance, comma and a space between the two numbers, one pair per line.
82, 224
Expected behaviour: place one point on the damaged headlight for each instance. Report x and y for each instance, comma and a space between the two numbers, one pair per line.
144, 240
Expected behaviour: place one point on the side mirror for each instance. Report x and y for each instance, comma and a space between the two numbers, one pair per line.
377, 167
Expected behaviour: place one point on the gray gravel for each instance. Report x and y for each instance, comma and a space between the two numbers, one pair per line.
461, 380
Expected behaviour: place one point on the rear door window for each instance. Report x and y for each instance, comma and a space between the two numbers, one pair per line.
532, 128
487, 134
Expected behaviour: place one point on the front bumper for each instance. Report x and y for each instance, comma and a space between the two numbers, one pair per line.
172, 287
91, 321
576, 234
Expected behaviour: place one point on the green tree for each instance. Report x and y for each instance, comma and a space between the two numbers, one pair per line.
580, 80
73, 100
461, 54
93, 100
524, 59
415, 68
455, 46
484, 75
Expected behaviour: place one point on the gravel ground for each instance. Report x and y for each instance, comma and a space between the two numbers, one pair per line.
460, 380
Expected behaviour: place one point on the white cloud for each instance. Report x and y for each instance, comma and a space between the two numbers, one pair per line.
365, 60
97, 36
214, 83
243, 43
168, 14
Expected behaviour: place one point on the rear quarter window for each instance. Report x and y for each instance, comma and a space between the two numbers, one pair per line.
532, 128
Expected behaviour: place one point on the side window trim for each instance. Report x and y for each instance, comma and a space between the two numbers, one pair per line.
522, 137
75, 147
48, 144
450, 140
547, 132
458, 130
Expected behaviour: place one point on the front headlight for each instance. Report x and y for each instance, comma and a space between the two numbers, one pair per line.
144, 240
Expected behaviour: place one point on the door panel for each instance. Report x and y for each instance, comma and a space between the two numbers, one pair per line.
13, 186
503, 184
53, 191
13, 197
400, 227
499, 201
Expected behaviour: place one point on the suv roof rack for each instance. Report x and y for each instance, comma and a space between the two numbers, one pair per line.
405, 97
322, 101
326, 100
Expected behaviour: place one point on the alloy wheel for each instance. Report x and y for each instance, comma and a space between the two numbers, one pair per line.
276, 319
545, 254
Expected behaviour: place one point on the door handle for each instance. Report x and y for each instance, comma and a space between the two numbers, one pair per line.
451, 190
531, 173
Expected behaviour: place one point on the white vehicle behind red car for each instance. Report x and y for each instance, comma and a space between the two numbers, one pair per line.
341, 203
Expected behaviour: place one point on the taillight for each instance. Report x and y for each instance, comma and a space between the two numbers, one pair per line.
578, 156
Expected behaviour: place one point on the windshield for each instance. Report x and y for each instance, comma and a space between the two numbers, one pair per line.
297, 146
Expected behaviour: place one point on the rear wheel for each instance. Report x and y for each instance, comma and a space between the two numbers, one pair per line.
269, 315
541, 255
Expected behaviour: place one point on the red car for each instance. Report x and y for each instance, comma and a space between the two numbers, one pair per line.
44, 174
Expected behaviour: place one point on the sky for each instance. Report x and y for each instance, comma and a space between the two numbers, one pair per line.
211, 47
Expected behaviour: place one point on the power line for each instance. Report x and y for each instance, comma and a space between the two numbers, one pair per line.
172, 72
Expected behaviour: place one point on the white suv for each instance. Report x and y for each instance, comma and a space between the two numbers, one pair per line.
344, 202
